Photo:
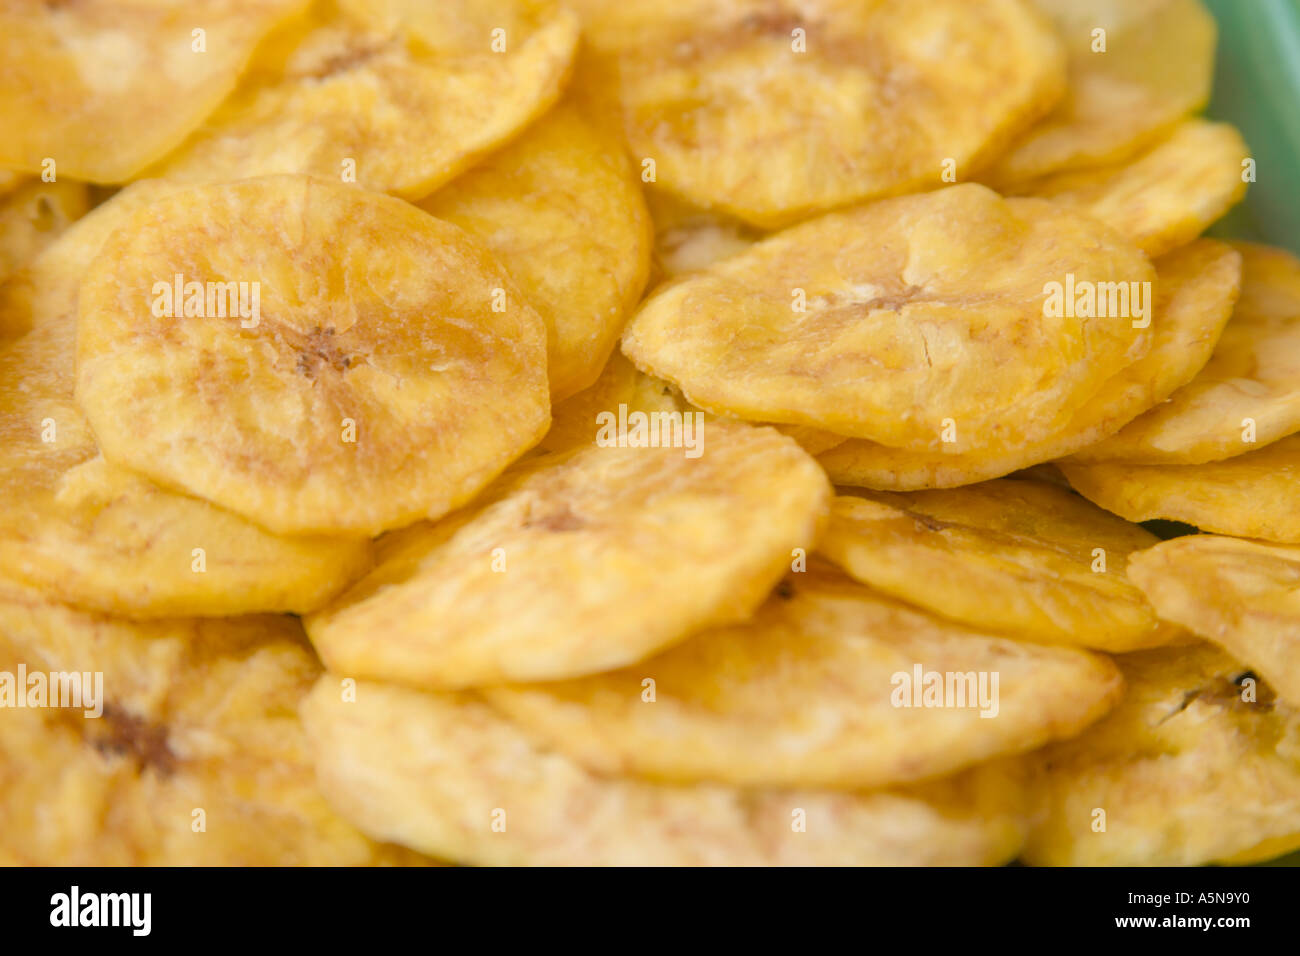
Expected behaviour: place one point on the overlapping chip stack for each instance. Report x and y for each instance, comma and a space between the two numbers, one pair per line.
518, 432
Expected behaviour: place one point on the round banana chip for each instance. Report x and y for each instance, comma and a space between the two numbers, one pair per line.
904, 320
446, 774
1023, 558
164, 744
563, 211
1166, 197
772, 111
1196, 289
395, 95
1199, 763
581, 562
102, 88
95, 535
1136, 67
312, 356
32, 215
1247, 395
1242, 595
1250, 496
830, 685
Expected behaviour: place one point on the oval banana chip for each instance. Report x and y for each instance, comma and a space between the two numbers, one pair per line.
447, 775
1248, 393
563, 211
95, 535
397, 96
903, 320
32, 215
1196, 289
378, 367
1242, 595
173, 743
581, 562
830, 685
1199, 763
102, 88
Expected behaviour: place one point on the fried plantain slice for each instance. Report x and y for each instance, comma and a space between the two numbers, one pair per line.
105, 87
1242, 595
581, 562
32, 215
1196, 289
449, 775
391, 369
1017, 557
1248, 393
1197, 764
563, 210
398, 96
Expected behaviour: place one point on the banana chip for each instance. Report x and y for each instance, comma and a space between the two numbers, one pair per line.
194, 754
1247, 395
1166, 197
1136, 67
95, 535
32, 215
773, 111
381, 366
818, 690
448, 775
563, 211
581, 562
1198, 763
900, 321
1243, 595
1250, 496
1023, 558
102, 88
1195, 292
397, 96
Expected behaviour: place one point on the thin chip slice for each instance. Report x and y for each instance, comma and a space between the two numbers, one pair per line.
563, 211
448, 775
1242, 595
397, 96
773, 111
194, 755
1250, 496
99, 536
391, 369
901, 320
1166, 197
1198, 763
822, 688
1247, 395
105, 87
1196, 289
581, 562
1023, 558
1155, 68
32, 215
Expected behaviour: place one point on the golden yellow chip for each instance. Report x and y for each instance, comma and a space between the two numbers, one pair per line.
582, 561
1247, 395
830, 685
1166, 197
563, 210
1198, 763
448, 775
163, 744
1195, 292
101, 88
1250, 496
1243, 595
32, 215
313, 356
773, 111
904, 320
397, 96
1136, 67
